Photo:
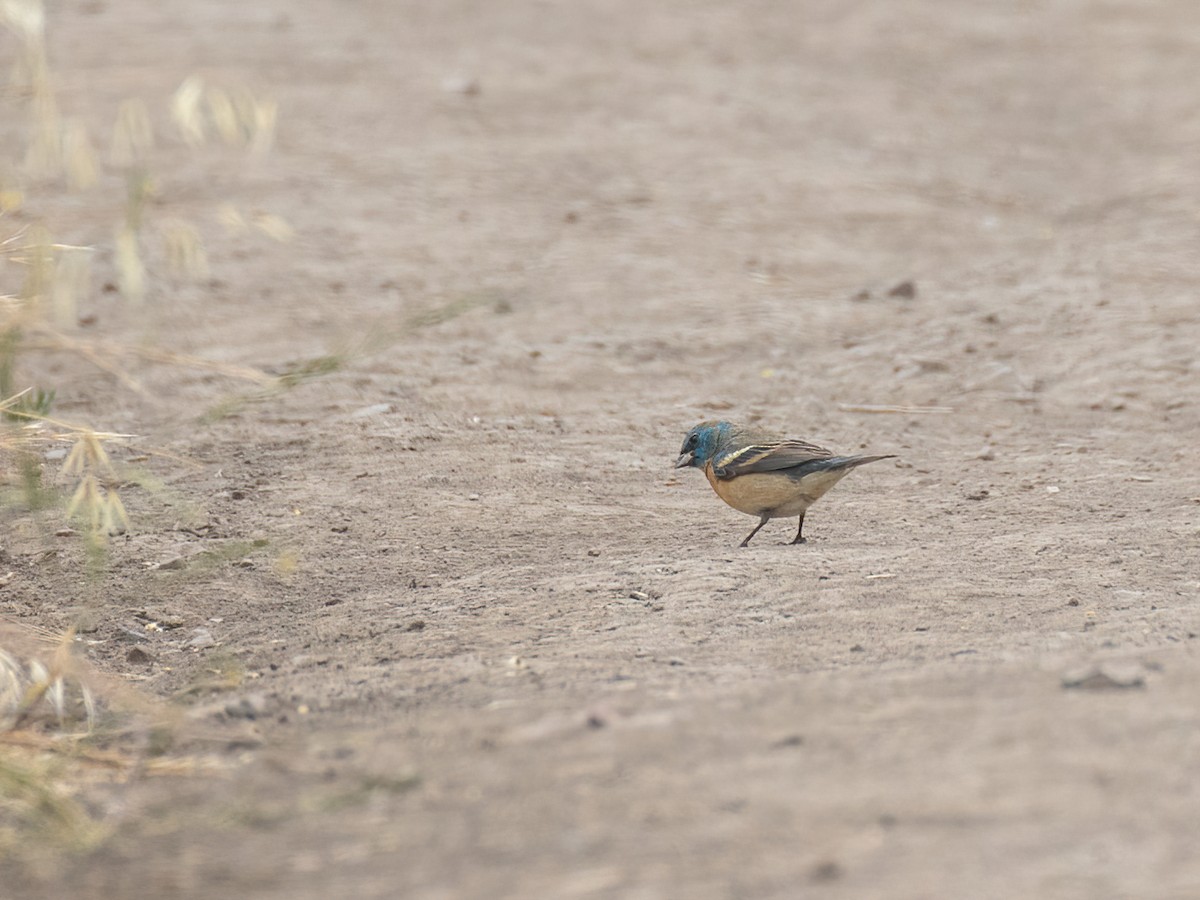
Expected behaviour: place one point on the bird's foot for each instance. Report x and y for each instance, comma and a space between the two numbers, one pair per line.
798, 540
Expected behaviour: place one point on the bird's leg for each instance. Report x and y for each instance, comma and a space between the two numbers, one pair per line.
800, 532
763, 521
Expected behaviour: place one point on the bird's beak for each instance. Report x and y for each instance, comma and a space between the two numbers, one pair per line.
685, 460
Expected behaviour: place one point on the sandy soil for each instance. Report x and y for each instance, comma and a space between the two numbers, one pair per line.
518, 654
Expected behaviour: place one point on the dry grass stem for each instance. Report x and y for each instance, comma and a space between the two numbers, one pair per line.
870, 408
133, 135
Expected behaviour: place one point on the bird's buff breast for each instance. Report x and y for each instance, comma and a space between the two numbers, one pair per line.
771, 494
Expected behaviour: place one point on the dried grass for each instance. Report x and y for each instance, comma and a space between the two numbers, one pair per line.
235, 115
45, 706
62, 726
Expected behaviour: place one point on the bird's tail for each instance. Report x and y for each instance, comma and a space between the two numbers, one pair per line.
846, 462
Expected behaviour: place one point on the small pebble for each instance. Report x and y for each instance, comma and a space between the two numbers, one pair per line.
87, 621
460, 84
201, 639
376, 409
251, 706
1097, 679
826, 871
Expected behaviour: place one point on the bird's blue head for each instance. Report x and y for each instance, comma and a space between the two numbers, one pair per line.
701, 444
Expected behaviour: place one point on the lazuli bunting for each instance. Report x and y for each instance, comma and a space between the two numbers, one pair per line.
764, 475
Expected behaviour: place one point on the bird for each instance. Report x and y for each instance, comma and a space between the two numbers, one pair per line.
762, 474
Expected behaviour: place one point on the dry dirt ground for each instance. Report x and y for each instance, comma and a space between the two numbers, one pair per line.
492, 643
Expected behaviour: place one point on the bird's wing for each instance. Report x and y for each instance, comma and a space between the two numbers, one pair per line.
767, 457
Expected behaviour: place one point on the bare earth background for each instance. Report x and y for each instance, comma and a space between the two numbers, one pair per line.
517, 655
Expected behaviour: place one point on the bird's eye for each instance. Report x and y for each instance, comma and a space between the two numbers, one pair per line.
692, 440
